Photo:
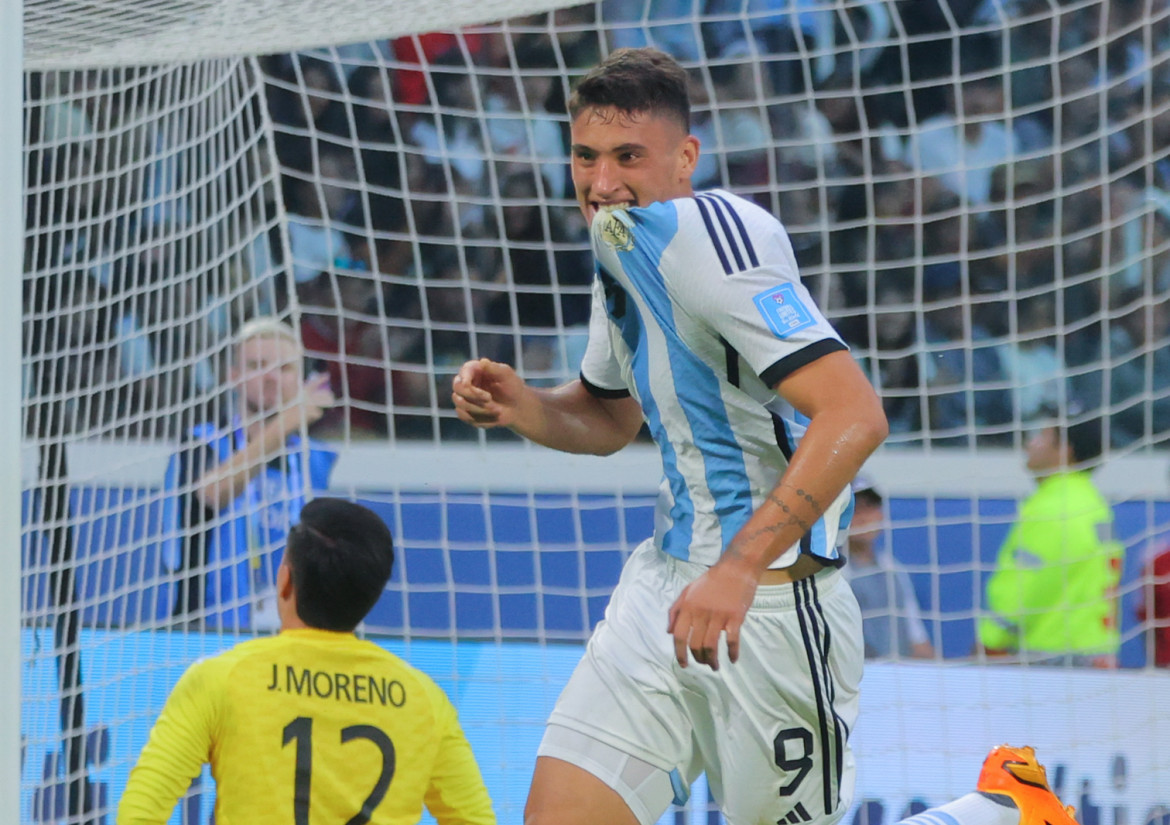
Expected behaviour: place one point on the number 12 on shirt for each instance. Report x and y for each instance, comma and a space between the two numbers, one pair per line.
300, 731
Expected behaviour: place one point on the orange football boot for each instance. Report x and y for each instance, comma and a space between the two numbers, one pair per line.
1015, 773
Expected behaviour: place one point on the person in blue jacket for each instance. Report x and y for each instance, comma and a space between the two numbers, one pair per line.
237, 486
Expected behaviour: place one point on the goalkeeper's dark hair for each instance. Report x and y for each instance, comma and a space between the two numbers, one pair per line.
1085, 433
340, 555
636, 81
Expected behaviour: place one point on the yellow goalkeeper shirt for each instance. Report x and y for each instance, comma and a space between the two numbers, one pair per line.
309, 727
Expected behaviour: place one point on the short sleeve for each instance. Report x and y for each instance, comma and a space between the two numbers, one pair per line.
600, 369
770, 319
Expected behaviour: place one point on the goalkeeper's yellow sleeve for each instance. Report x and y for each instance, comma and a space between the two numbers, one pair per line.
180, 743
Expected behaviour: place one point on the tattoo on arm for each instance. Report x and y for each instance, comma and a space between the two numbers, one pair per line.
735, 548
793, 518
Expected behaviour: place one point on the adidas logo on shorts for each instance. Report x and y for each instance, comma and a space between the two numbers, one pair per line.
795, 816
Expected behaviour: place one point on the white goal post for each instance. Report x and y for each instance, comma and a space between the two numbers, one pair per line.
977, 193
11, 244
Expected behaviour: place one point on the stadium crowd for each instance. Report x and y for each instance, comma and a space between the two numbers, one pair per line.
950, 233
986, 217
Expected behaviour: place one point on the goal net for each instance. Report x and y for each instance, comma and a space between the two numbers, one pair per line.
978, 194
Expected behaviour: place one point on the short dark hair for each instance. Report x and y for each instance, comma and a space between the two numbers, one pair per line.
1084, 432
1086, 439
636, 80
865, 492
340, 555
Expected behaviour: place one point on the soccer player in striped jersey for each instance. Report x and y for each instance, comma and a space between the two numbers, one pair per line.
702, 330
314, 725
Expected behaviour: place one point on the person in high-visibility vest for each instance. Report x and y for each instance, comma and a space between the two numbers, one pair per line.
1053, 595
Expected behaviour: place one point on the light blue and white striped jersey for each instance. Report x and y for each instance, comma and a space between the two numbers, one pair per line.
698, 312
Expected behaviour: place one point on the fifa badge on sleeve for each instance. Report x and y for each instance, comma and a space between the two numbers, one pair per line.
783, 310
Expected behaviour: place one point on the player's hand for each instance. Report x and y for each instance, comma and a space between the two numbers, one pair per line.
487, 393
715, 603
317, 396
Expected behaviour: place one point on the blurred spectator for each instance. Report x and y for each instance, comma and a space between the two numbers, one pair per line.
236, 486
378, 134
741, 125
856, 138
307, 108
664, 24
1031, 363
924, 63
269, 283
709, 168
1152, 132
957, 371
318, 206
872, 239
408, 395
1032, 40
525, 114
164, 339
1129, 50
431, 205
424, 49
1080, 256
578, 37
894, 360
1134, 374
1153, 608
892, 624
794, 38
1052, 597
961, 368
342, 336
1013, 244
463, 295
548, 270
1089, 147
963, 145
453, 135
1117, 261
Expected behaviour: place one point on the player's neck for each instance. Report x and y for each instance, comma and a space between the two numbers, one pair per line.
289, 620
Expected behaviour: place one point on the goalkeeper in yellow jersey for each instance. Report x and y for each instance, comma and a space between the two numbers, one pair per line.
314, 725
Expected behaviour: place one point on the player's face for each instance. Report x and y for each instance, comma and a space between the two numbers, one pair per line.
1044, 451
269, 372
866, 524
629, 158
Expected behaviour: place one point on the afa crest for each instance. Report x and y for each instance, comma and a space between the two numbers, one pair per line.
616, 230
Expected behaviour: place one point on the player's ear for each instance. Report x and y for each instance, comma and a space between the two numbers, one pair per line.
689, 155
284, 583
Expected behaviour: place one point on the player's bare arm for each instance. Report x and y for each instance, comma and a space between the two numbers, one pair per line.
847, 424
568, 418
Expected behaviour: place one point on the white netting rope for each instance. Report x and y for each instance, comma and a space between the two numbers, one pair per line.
62, 34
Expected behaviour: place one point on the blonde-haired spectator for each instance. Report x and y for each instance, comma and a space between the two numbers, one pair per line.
237, 485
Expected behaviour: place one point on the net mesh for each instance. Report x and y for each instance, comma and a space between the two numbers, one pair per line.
978, 195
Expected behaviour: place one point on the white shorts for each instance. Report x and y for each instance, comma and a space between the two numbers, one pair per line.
771, 731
